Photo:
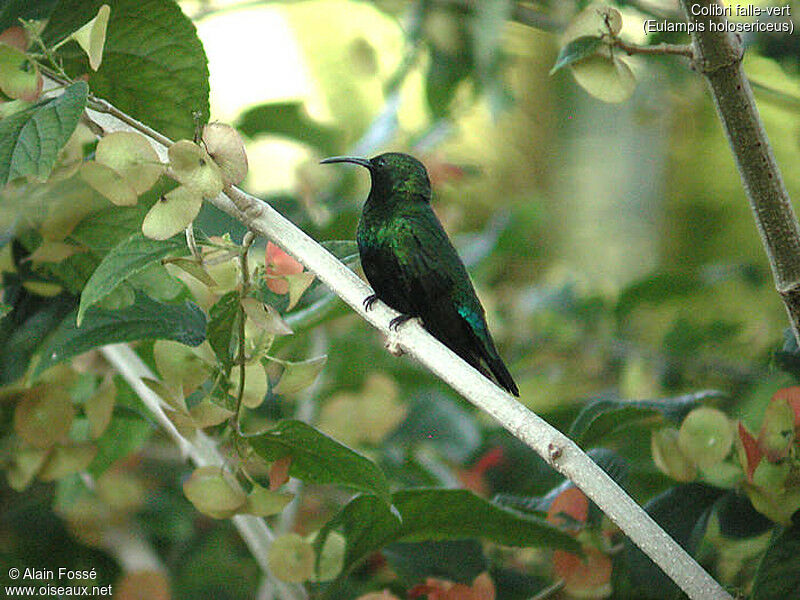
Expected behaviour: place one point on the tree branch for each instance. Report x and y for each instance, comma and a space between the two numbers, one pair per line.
718, 56
557, 449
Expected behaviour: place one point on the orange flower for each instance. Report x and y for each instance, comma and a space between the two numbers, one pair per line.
278, 263
482, 588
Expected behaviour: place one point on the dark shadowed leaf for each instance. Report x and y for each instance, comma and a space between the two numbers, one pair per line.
222, 326
778, 575
13, 10
435, 514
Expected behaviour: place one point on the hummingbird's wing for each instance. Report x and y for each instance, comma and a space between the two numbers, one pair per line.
436, 284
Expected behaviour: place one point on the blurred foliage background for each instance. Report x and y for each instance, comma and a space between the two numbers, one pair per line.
611, 244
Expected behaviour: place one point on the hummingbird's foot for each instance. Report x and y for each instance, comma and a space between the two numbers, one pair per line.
369, 301
397, 321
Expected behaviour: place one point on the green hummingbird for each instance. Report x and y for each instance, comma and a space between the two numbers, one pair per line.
414, 268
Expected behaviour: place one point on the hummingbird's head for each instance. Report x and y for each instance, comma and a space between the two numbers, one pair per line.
392, 172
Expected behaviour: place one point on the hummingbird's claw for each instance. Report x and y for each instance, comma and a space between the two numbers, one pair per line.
397, 321
369, 301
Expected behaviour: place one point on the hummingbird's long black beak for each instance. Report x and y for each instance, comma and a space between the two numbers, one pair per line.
364, 162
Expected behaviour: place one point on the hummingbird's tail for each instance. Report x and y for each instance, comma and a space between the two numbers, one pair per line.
482, 353
501, 374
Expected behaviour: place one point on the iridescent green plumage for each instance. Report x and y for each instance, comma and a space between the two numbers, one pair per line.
413, 267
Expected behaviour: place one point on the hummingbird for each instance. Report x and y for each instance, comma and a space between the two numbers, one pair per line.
413, 267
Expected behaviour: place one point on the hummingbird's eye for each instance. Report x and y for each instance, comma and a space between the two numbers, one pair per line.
381, 162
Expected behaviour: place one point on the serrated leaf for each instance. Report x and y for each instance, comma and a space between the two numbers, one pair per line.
154, 67
606, 416
129, 257
30, 140
145, 319
172, 213
576, 50
316, 458
436, 514
299, 375
222, 321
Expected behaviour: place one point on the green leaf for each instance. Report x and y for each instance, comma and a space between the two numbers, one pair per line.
4, 309
14, 10
316, 458
25, 329
289, 119
778, 575
576, 50
299, 375
145, 319
30, 140
126, 259
154, 67
222, 321
606, 77
127, 431
604, 417
436, 514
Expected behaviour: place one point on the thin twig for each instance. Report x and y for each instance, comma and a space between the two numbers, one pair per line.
244, 270
663, 49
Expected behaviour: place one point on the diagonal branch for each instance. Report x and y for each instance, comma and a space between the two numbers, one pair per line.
557, 449
718, 56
